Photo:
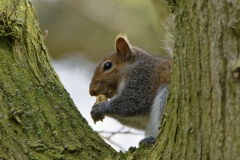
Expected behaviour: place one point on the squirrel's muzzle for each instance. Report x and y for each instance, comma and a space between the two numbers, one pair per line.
92, 92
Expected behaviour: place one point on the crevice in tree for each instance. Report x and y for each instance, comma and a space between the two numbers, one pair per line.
176, 134
223, 90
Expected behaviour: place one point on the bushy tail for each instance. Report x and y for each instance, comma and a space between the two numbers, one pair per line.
169, 38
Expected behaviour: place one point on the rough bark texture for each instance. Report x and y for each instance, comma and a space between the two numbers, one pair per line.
207, 115
38, 119
202, 117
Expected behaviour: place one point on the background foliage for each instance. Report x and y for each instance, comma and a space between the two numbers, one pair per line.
90, 26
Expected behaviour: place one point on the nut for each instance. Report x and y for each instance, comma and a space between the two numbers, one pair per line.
101, 98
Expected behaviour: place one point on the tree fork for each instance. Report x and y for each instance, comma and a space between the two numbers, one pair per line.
201, 121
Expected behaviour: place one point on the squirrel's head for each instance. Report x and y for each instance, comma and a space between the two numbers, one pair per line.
109, 73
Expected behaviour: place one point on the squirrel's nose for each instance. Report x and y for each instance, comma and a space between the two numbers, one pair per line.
92, 92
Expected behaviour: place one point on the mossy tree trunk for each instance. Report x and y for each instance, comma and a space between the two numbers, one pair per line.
38, 119
202, 118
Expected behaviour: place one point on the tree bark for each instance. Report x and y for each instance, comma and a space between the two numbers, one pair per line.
38, 119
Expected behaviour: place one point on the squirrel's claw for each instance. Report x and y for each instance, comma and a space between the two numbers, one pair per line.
97, 113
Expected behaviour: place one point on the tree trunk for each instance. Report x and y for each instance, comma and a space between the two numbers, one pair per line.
38, 119
202, 117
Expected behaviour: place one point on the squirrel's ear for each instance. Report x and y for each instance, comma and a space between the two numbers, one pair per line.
123, 47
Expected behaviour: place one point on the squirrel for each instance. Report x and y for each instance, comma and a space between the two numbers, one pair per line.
137, 85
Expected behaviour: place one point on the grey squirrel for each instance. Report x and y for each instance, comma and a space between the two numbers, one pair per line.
137, 85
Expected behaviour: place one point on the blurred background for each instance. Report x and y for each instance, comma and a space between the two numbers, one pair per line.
79, 33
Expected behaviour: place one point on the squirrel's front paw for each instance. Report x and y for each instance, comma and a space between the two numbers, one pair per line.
97, 112
148, 140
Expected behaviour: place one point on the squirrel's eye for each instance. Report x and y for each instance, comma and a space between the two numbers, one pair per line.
107, 66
